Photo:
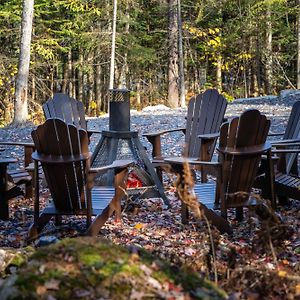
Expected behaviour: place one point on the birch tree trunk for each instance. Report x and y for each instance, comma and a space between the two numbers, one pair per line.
21, 93
173, 56
180, 57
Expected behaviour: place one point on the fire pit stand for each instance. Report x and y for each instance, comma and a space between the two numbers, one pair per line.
120, 143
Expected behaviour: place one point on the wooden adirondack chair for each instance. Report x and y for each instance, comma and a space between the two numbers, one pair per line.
287, 181
204, 117
68, 109
242, 142
62, 151
22, 175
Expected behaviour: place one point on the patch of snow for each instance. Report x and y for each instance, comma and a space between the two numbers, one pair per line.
155, 108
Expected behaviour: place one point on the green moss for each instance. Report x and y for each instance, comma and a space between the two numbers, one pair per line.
89, 257
17, 260
104, 269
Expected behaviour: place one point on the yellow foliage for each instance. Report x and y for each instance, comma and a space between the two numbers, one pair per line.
281, 273
93, 105
139, 226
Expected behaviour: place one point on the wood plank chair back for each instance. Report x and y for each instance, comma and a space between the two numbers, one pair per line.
241, 146
287, 162
62, 151
204, 116
66, 180
66, 108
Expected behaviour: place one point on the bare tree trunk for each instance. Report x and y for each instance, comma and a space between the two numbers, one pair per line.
21, 101
80, 76
138, 94
123, 82
219, 72
65, 77
70, 74
113, 47
269, 59
97, 75
173, 56
180, 57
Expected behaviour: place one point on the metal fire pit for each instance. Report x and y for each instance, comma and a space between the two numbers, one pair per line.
121, 143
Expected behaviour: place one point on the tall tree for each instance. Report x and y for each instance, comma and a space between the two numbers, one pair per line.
269, 54
173, 55
21, 106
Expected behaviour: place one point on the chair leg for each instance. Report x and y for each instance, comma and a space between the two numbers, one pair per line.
239, 213
120, 186
184, 213
38, 226
283, 200
28, 190
159, 173
100, 220
58, 220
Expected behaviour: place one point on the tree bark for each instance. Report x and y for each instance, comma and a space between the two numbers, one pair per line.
97, 76
21, 93
180, 57
173, 56
113, 47
219, 72
80, 76
269, 59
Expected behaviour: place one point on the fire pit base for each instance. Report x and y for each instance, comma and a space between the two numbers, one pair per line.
126, 145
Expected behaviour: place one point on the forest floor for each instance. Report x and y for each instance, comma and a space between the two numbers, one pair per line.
253, 263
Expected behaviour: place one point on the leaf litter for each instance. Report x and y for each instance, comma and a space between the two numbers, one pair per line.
250, 264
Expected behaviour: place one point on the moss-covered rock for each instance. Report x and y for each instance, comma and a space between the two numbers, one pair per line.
87, 268
13, 258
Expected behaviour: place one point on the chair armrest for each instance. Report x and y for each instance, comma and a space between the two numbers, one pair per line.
117, 164
275, 133
191, 161
59, 159
28, 149
154, 139
280, 142
24, 144
158, 133
209, 136
284, 145
90, 132
251, 150
286, 151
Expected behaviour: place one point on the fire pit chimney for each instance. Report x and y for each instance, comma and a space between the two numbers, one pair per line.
119, 110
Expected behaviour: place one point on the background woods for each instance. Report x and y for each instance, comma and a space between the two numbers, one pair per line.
244, 48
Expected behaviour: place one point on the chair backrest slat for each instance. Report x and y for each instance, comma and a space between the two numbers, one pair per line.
68, 109
292, 131
66, 180
205, 115
239, 171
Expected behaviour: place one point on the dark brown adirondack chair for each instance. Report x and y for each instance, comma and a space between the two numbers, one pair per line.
21, 175
68, 109
62, 151
287, 181
204, 117
242, 143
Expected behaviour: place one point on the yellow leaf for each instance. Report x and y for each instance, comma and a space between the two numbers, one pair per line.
139, 226
281, 273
